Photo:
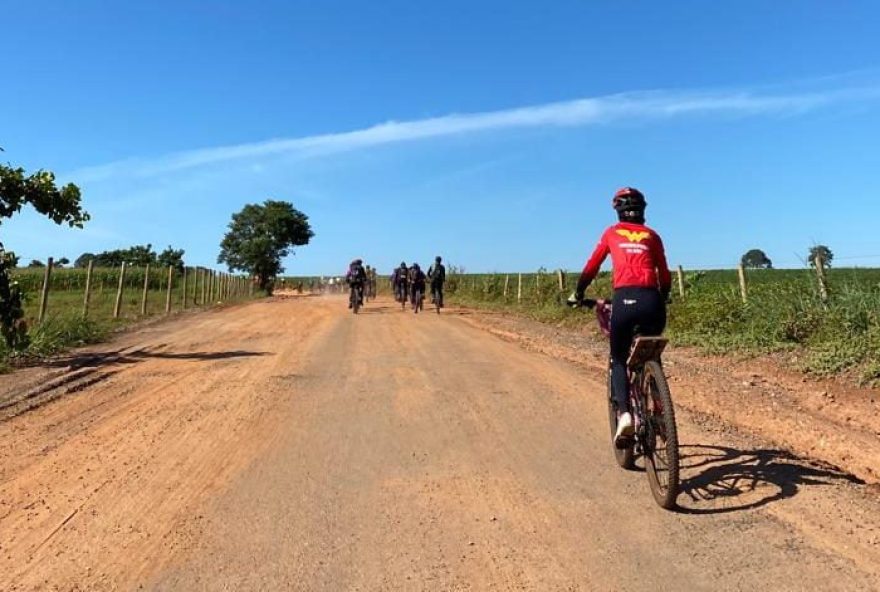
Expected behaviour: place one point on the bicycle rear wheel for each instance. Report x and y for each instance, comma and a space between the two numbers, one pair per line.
625, 457
661, 437
419, 304
355, 300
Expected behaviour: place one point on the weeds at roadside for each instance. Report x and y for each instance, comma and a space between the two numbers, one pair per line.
783, 314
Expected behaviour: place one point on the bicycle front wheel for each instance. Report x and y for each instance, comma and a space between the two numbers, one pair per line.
661, 437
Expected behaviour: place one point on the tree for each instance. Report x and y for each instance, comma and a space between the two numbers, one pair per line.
62, 206
820, 252
260, 235
83, 260
171, 257
138, 255
756, 258
36, 263
62, 261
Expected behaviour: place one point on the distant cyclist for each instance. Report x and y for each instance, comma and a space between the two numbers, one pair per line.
368, 283
400, 281
437, 275
356, 278
641, 283
371, 278
416, 284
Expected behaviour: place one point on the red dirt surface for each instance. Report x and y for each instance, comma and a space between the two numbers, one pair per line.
288, 444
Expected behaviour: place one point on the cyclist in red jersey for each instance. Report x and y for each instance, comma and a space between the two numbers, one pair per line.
641, 282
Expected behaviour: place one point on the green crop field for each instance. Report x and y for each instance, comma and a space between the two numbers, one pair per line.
783, 312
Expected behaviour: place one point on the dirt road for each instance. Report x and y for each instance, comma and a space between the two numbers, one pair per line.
286, 444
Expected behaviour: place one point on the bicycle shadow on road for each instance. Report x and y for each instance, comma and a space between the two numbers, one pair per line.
99, 359
719, 479
381, 309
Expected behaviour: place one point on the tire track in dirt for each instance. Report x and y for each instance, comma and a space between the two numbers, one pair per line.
96, 488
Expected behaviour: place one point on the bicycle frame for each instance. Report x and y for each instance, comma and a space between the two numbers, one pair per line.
655, 435
643, 349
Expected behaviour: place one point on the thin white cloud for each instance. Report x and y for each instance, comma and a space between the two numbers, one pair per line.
580, 112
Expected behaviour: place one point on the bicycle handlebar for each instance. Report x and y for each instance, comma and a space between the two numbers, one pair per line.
590, 303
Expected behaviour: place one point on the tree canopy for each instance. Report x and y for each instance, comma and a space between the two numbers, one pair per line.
756, 258
61, 205
260, 235
137, 255
171, 257
83, 260
820, 252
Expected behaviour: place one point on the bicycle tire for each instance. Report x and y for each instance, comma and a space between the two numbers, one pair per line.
417, 297
660, 424
355, 300
437, 300
625, 457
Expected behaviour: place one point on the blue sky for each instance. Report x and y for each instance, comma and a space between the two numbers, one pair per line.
493, 133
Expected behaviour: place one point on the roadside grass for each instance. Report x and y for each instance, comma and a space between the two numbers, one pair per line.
783, 313
65, 326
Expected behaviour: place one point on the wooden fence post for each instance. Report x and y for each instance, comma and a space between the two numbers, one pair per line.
820, 274
118, 305
742, 282
183, 281
506, 285
87, 294
44, 293
538, 283
168, 293
146, 289
680, 281
519, 289
560, 275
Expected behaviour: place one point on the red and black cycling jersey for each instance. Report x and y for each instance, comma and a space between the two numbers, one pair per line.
637, 257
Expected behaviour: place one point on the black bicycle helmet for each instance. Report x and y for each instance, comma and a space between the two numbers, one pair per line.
629, 199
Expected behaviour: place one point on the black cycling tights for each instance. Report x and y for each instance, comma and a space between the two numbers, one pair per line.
639, 310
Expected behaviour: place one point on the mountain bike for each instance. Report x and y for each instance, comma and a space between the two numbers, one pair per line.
356, 298
400, 295
437, 297
656, 435
418, 300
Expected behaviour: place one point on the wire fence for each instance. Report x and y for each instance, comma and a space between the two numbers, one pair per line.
124, 293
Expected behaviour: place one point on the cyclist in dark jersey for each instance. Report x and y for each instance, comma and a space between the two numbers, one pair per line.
416, 284
437, 275
356, 277
399, 281
641, 282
